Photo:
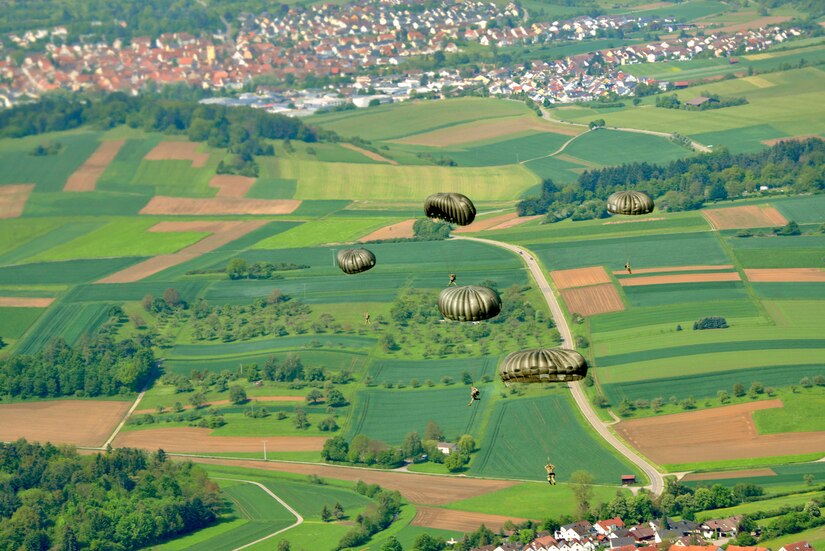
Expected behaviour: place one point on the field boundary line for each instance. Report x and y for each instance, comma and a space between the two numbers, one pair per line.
123, 421
298, 518
559, 150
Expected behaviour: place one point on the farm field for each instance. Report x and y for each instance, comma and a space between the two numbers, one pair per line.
50, 172
77, 422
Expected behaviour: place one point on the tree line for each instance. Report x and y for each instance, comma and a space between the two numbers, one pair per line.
53, 498
686, 184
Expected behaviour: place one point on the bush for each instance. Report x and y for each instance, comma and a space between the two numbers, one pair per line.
712, 322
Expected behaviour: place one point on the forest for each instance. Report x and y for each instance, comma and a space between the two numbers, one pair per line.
53, 498
687, 184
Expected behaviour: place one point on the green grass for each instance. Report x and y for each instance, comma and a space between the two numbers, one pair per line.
68, 321
801, 413
56, 238
749, 463
383, 181
789, 291
121, 171
504, 152
688, 11
398, 370
804, 210
802, 251
121, 237
562, 171
747, 139
272, 188
15, 233
671, 315
202, 352
554, 428
788, 477
91, 203
611, 147
534, 500
15, 321
325, 230
762, 505
68, 271
658, 295
814, 536
397, 121
49, 172
132, 292
319, 207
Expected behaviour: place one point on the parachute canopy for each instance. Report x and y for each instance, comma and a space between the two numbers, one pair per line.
469, 303
630, 202
354, 261
543, 365
450, 207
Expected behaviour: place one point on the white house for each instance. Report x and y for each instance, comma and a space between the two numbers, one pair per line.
446, 447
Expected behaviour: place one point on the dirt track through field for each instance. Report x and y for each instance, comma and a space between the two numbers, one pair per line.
225, 232
252, 399
416, 488
13, 199
713, 435
218, 205
593, 300
801, 138
786, 275
78, 422
193, 440
716, 475
230, 185
679, 278
751, 216
486, 130
369, 154
579, 277
665, 269
486, 223
515, 222
26, 302
178, 151
459, 521
85, 178
399, 229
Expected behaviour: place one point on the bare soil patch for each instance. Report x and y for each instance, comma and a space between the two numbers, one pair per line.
369, 154
579, 277
26, 302
218, 205
486, 223
459, 521
515, 222
178, 151
399, 229
189, 439
78, 422
801, 138
85, 178
13, 199
665, 269
713, 435
631, 221
416, 488
716, 475
253, 399
230, 185
786, 274
751, 216
487, 130
679, 278
593, 300
225, 232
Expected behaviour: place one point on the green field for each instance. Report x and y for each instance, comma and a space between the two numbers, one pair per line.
658, 295
504, 152
814, 536
57, 235
48, 172
325, 230
611, 147
787, 477
18, 236
804, 210
762, 505
15, 321
553, 428
801, 413
68, 321
789, 291
67, 271
396, 370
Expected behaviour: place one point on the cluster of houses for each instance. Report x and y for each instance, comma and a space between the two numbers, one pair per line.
613, 535
348, 40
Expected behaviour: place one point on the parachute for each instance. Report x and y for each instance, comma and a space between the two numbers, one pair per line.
354, 261
630, 202
450, 207
469, 303
543, 365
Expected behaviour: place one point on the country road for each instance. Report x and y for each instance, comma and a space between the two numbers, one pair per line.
657, 484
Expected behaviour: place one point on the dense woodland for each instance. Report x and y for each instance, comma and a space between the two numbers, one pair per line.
53, 498
687, 184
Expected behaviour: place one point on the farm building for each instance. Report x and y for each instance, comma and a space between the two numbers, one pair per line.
797, 546
628, 479
446, 447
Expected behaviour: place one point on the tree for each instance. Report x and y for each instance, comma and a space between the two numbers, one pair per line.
466, 444
412, 446
455, 461
392, 544
809, 479
237, 268
582, 485
328, 425
300, 420
172, 297
237, 395
326, 515
198, 400
426, 542
338, 511
283, 545
335, 398
738, 390
313, 396
433, 432
335, 449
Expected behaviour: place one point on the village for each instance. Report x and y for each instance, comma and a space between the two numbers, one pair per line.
349, 44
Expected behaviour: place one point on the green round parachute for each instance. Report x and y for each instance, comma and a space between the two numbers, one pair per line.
543, 365
354, 261
469, 303
631, 202
450, 207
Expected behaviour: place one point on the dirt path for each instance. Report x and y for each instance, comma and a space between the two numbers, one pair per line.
657, 484
123, 421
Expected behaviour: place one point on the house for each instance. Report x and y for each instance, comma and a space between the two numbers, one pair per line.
721, 528
624, 541
699, 102
669, 529
798, 546
604, 527
446, 447
574, 531
694, 548
746, 548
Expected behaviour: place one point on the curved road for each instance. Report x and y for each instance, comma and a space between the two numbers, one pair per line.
657, 484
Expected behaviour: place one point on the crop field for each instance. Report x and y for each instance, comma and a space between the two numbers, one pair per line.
398, 370
86, 177
41, 245
175, 178
92, 203
383, 181
77, 422
14, 234
785, 475
15, 321
510, 151
397, 121
803, 210
13, 199
800, 251
244, 348
593, 300
325, 230
658, 295
68, 271
330, 359
561, 171
126, 292
488, 131
670, 315
580, 277
785, 291
801, 413
48, 172
771, 504
612, 147
750, 216
68, 321
747, 139
272, 188
553, 427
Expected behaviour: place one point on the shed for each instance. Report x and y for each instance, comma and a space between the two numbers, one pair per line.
628, 479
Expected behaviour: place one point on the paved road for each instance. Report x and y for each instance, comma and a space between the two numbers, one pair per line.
657, 484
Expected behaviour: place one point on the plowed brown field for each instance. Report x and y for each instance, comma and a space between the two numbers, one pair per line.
178, 151
716, 475
515, 222
13, 199
579, 277
225, 232
399, 229
459, 521
486, 223
78, 422
596, 299
218, 205
679, 278
713, 435
666, 269
416, 488
785, 274
186, 439
85, 178
486, 130
26, 302
230, 185
744, 217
